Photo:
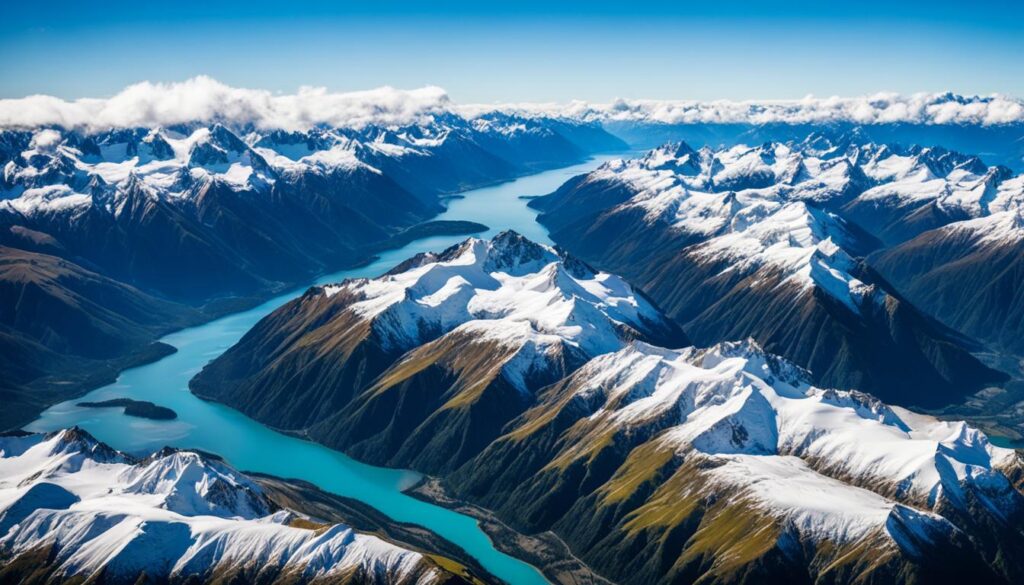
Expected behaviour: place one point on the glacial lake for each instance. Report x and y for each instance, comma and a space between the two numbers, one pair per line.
250, 446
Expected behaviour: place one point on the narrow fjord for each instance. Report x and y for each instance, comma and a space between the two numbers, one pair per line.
250, 446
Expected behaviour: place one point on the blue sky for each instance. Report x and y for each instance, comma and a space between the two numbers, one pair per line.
523, 51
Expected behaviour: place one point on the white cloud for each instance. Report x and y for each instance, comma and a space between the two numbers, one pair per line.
922, 108
202, 99
205, 100
45, 140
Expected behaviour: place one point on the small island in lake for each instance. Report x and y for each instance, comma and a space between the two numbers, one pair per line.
139, 408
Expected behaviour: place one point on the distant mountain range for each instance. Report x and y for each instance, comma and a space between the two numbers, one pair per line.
196, 213
989, 126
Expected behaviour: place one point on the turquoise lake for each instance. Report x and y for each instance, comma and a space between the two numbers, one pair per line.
250, 446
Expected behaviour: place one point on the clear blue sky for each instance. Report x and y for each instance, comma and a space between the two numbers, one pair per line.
523, 51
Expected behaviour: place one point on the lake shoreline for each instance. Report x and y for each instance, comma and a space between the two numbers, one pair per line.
545, 551
137, 408
227, 306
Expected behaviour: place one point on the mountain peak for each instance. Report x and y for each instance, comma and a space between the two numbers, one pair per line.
508, 277
172, 516
510, 251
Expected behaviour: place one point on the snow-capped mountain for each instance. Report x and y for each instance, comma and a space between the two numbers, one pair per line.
922, 189
219, 217
240, 210
891, 192
705, 465
529, 384
758, 242
73, 508
469, 334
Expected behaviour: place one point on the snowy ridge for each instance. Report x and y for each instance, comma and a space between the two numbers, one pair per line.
172, 515
952, 181
752, 207
103, 169
804, 243
701, 191
54, 168
835, 463
997, 229
822, 174
508, 289
778, 205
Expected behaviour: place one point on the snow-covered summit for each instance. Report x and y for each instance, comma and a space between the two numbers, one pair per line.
173, 515
169, 164
498, 283
837, 464
954, 182
751, 208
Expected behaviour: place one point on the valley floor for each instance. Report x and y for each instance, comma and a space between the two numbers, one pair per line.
999, 411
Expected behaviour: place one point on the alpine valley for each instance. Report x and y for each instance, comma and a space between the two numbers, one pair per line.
777, 345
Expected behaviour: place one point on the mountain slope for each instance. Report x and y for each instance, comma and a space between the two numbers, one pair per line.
73, 508
969, 275
422, 365
526, 382
725, 465
64, 328
753, 242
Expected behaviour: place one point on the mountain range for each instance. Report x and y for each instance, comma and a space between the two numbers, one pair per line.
719, 372
212, 212
990, 126
361, 366
542, 390
776, 241
197, 220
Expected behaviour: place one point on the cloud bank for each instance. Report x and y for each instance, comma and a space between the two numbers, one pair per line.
922, 108
205, 100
